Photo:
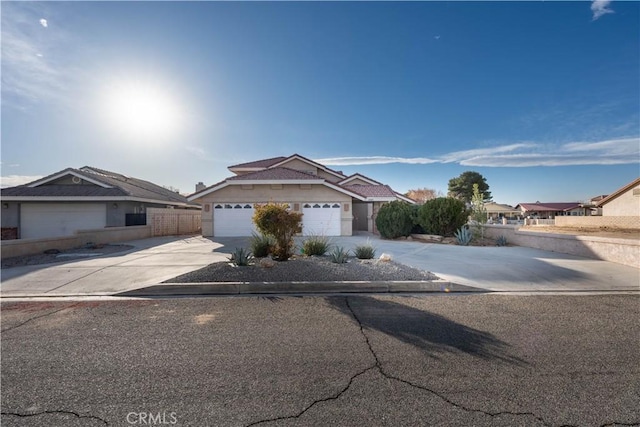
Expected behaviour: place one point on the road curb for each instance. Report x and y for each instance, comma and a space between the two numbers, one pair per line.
259, 288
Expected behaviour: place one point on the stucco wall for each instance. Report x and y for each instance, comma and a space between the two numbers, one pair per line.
625, 204
621, 251
290, 193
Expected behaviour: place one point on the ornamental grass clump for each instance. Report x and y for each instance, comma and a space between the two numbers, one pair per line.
315, 245
366, 251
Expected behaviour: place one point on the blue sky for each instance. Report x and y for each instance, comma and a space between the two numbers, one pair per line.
541, 98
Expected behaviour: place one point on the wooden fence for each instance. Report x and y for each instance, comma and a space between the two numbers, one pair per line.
174, 222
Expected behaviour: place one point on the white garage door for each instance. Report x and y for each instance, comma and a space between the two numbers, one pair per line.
321, 219
39, 220
233, 219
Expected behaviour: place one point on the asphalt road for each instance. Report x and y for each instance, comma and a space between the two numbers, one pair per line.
454, 360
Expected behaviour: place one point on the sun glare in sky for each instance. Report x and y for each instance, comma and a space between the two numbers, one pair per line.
141, 111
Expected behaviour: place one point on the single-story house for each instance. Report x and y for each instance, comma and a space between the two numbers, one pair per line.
497, 211
623, 202
81, 199
552, 210
332, 203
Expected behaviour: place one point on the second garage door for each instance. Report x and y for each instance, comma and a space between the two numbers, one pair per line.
321, 219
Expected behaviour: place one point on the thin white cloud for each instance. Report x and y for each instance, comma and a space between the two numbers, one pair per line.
44, 22
600, 8
14, 180
609, 152
374, 160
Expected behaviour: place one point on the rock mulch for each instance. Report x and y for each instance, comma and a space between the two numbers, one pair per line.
306, 269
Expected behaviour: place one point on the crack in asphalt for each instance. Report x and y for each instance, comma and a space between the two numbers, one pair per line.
35, 414
10, 328
423, 388
378, 366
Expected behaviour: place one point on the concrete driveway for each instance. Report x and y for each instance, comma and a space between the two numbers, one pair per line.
492, 268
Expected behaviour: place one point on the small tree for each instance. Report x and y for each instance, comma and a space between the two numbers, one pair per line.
421, 195
443, 216
275, 220
394, 219
478, 211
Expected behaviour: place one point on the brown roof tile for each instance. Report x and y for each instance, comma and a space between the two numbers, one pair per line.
278, 173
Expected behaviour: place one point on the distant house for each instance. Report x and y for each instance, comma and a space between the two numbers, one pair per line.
623, 202
552, 210
81, 199
497, 211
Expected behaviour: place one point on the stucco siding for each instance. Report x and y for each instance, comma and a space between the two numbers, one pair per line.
291, 193
625, 204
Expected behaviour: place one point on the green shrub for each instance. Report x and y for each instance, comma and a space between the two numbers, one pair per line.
339, 255
364, 251
443, 216
394, 219
463, 236
315, 245
274, 219
501, 241
261, 245
240, 257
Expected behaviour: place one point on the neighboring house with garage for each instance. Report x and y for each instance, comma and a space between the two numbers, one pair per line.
81, 199
332, 203
623, 202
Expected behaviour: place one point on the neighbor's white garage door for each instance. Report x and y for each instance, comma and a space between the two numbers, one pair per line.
233, 219
321, 219
39, 220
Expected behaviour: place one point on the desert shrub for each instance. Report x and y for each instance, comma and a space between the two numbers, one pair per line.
315, 245
416, 228
442, 216
463, 236
501, 241
275, 220
338, 255
366, 251
394, 219
261, 245
240, 257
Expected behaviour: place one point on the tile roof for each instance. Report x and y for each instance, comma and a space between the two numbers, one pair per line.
62, 191
265, 163
278, 173
550, 206
122, 186
371, 190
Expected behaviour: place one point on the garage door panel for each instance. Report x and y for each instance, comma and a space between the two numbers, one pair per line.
41, 220
233, 220
321, 219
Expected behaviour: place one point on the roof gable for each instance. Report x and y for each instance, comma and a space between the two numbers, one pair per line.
619, 192
257, 165
359, 177
310, 162
69, 172
275, 173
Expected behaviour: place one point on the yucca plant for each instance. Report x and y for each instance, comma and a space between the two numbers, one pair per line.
501, 241
315, 245
365, 251
338, 255
240, 257
261, 245
463, 236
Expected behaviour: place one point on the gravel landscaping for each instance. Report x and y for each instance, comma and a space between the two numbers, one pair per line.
306, 269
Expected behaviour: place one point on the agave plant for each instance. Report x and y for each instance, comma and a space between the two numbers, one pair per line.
339, 255
240, 257
463, 236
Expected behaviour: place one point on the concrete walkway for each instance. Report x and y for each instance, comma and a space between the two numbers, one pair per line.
490, 268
